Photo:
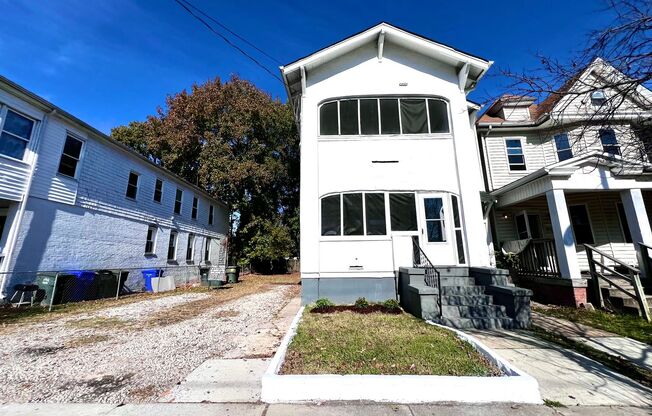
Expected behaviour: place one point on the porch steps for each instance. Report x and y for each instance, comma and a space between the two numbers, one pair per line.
619, 300
464, 304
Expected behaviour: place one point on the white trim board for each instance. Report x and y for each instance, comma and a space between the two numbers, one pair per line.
514, 387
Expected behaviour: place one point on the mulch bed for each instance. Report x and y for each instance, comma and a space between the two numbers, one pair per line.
353, 308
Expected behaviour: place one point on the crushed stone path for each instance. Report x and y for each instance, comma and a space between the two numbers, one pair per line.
123, 355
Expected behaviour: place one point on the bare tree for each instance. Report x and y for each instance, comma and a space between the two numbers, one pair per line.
601, 87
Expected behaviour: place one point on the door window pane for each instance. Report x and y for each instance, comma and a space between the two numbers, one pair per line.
328, 124
581, 224
349, 117
434, 211
438, 116
402, 211
369, 116
389, 123
375, 212
414, 118
352, 210
330, 215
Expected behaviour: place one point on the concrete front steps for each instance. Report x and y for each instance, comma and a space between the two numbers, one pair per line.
468, 298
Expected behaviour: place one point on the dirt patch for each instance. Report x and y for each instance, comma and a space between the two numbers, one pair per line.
355, 309
144, 392
100, 322
227, 314
99, 386
86, 340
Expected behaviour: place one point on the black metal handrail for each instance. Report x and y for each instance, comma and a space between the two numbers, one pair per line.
633, 278
432, 277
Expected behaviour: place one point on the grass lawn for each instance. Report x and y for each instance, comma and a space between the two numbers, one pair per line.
626, 325
378, 343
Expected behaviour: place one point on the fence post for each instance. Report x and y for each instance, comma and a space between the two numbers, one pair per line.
117, 291
594, 277
54, 291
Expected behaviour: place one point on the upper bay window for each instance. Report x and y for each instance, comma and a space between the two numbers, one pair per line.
385, 116
16, 133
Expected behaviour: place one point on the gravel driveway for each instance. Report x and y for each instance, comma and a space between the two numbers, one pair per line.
134, 352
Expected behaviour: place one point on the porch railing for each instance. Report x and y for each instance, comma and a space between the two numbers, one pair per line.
539, 259
597, 269
432, 276
646, 266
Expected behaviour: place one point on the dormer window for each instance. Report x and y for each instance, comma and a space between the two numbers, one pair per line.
598, 97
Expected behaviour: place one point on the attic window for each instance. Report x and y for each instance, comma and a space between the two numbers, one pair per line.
598, 97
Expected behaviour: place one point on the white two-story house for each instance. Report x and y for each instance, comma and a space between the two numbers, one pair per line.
72, 198
388, 154
571, 170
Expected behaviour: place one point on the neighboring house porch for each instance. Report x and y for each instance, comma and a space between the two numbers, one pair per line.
546, 217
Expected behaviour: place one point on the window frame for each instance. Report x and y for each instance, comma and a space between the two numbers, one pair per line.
445, 220
207, 250
588, 216
4, 109
154, 230
456, 204
616, 145
558, 150
135, 197
377, 98
190, 248
211, 214
173, 244
156, 182
509, 165
78, 161
178, 192
194, 211
624, 225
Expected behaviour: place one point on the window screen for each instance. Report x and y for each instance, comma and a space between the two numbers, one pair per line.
349, 117
330, 215
435, 227
389, 123
414, 118
369, 116
328, 124
375, 212
581, 224
438, 116
402, 211
352, 210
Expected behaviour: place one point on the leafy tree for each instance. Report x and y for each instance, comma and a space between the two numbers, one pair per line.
242, 147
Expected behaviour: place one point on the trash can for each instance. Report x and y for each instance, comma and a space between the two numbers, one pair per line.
78, 285
107, 284
148, 275
233, 274
46, 282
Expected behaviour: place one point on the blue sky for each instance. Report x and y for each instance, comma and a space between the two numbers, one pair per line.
113, 61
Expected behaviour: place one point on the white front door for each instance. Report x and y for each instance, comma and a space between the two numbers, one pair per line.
435, 236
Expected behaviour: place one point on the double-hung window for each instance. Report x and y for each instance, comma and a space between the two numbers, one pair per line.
562, 144
158, 190
150, 244
609, 142
195, 203
210, 214
178, 197
207, 250
190, 248
172, 246
16, 134
515, 156
132, 185
70, 157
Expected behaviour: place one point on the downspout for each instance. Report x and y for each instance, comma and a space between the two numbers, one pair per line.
15, 228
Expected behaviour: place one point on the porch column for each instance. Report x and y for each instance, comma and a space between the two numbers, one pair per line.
563, 233
638, 223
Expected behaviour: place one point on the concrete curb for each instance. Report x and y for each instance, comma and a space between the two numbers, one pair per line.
514, 387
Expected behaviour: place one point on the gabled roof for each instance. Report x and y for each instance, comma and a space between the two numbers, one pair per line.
382, 33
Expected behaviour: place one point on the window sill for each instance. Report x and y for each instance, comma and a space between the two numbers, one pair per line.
174, 262
13, 159
69, 178
130, 198
425, 136
150, 255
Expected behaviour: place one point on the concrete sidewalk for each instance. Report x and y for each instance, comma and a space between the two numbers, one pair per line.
330, 409
612, 344
563, 375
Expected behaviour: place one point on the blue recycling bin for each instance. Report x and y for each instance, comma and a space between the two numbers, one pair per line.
79, 285
148, 275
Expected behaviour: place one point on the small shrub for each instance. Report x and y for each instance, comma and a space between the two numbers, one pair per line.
507, 261
361, 303
391, 304
323, 303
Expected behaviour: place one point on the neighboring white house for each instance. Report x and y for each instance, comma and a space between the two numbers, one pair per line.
388, 152
560, 176
73, 198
